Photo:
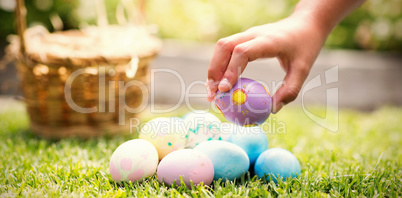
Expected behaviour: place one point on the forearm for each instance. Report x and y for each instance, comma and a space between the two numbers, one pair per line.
325, 14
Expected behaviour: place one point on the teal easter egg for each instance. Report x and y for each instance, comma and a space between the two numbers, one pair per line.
229, 160
277, 162
253, 140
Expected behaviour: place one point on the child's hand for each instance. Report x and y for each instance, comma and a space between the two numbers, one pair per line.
294, 41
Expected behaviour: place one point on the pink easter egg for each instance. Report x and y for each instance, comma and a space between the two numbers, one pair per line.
190, 164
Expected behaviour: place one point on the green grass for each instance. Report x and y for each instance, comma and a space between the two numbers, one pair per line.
364, 158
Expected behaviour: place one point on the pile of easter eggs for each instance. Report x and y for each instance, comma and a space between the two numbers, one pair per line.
199, 148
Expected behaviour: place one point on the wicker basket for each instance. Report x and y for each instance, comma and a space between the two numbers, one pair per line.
45, 62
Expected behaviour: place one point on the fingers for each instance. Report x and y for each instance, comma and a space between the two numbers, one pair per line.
294, 79
244, 53
220, 60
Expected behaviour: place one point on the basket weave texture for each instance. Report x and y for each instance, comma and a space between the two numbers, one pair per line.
117, 54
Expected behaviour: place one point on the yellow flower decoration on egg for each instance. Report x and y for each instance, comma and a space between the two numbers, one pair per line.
239, 97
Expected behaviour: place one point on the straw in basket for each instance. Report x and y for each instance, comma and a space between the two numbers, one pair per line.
74, 82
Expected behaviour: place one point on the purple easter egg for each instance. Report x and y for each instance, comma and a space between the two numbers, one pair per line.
248, 103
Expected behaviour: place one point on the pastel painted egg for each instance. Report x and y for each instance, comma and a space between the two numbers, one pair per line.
167, 135
253, 140
176, 118
199, 117
203, 133
277, 162
248, 103
190, 164
229, 160
202, 126
133, 160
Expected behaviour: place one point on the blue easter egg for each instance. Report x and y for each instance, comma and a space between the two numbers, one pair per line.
251, 139
277, 162
229, 160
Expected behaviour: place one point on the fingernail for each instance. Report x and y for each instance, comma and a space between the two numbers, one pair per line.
209, 83
224, 84
277, 107
210, 94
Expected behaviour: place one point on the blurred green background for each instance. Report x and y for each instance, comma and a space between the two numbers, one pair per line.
377, 25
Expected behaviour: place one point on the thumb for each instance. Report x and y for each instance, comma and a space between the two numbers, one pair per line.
244, 53
292, 83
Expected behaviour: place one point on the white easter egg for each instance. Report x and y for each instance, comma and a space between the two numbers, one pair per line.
202, 126
133, 160
199, 117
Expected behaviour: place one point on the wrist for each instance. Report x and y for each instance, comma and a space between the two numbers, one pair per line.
313, 26
325, 14
316, 16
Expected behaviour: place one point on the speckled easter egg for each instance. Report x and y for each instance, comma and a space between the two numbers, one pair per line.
198, 117
277, 162
202, 126
133, 160
229, 160
190, 164
166, 134
248, 103
253, 140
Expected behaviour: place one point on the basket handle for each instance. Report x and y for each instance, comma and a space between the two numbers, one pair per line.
135, 12
141, 6
20, 14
